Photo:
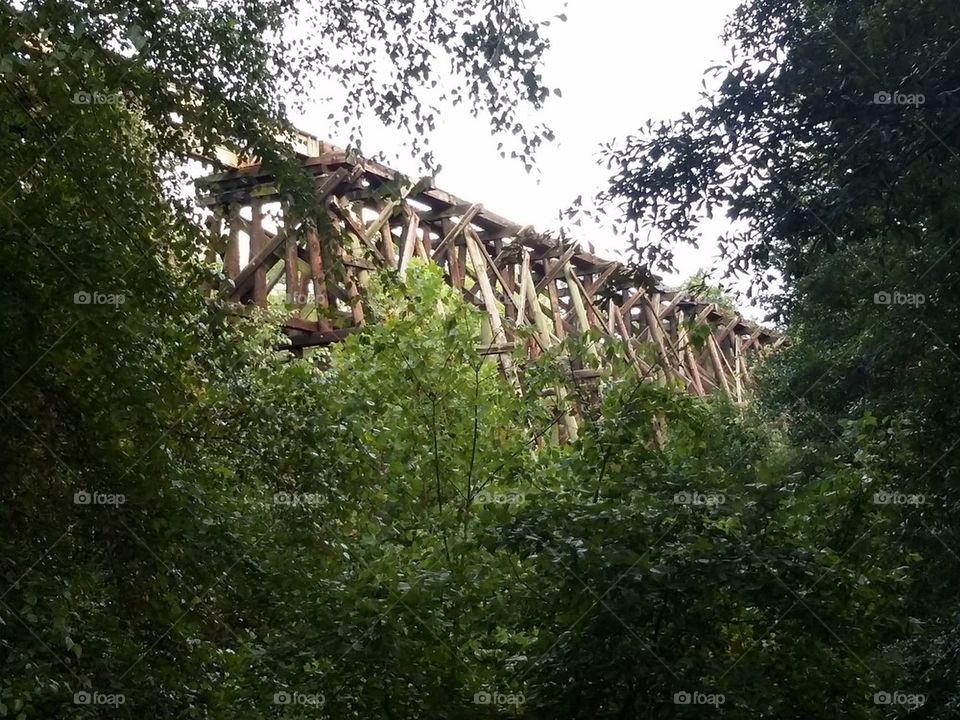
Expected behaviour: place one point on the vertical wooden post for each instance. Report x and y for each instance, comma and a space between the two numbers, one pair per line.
409, 240
657, 335
216, 228
579, 309
683, 341
319, 278
256, 243
554, 303
736, 355
290, 269
718, 366
490, 303
389, 253
527, 290
231, 258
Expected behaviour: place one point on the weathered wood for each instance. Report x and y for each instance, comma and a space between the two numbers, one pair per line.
386, 243
493, 312
554, 270
656, 334
720, 372
507, 296
231, 260
409, 241
573, 287
517, 277
257, 242
461, 225
543, 331
291, 273
691, 361
319, 279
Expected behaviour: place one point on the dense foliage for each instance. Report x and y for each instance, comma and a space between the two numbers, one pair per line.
193, 525
831, 141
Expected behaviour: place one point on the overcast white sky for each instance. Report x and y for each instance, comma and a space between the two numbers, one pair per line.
618, 63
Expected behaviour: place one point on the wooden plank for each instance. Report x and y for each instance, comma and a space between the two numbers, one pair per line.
657, 335
672, 306
507, 295
736, 374
216, 229
258, 241
500, 349
627, 305
461, 225
753, 338
303, 292
231, 260
521, 318
244, 280
409, 240
453, 265
383, 219
555, 270
598, 284
591, 309
318, 275
728, 328
359, 232
706, 312
386, 243
542, 332
493, 312
290, 269
718, 366
691, 362
354, 278
555, 307
320, 338
641, 367
573, 285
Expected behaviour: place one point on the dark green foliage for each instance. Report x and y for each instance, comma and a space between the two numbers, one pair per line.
832, 139
212, 529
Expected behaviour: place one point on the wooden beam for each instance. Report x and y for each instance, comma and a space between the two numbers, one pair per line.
409, 240
461, 225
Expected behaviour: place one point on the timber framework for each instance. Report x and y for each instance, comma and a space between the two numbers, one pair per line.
515, 276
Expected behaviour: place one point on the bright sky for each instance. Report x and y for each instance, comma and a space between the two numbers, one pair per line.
618, 63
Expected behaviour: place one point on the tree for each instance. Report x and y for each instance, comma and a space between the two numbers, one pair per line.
139, 443
698, 286
830, 138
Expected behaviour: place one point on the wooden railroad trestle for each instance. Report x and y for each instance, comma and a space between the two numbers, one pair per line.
514, 275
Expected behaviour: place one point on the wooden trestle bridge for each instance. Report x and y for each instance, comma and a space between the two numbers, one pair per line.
514, 275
